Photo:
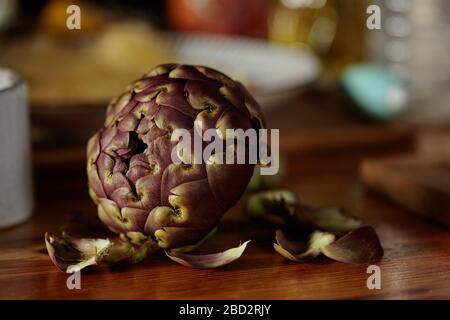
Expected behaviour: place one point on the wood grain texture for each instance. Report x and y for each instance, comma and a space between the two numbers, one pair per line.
417, 252
416, 262
421, 184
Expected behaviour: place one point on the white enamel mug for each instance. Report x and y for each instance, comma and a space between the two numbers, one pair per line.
16, 199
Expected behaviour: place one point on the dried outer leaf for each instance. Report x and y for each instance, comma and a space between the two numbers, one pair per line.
359, 246
281, 208
132, 247
301, 251
208, 261
274, 207
73, 254
329, 219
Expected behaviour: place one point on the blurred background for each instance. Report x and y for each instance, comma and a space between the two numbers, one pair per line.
274, 46
332, 85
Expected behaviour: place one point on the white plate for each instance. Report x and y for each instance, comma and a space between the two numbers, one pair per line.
271, 72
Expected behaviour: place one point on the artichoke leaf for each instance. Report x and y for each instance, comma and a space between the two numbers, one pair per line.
208, 261
281, 209
301, 251
331, 219
71, 254
359, 246
275, 207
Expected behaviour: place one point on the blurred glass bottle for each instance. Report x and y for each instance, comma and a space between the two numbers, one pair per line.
333, 29
414, 45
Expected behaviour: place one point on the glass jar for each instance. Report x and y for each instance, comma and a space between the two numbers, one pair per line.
414, 45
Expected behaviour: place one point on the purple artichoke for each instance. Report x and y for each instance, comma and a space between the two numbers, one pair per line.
153, 202
132, 178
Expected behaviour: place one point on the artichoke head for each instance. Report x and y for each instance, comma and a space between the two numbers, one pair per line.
132, 179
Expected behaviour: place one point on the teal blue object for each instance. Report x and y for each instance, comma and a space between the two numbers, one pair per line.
375, 91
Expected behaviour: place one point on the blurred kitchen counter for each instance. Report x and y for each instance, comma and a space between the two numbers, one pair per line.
322, 163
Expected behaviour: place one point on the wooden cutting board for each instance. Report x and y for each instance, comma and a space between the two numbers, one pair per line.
418, 183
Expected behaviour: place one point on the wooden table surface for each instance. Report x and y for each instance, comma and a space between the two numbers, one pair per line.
416, 262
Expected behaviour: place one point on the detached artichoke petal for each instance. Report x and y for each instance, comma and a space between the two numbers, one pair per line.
358, 247
208, 261
281, 208
301, 251
73, 254
275, 207
331, 219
